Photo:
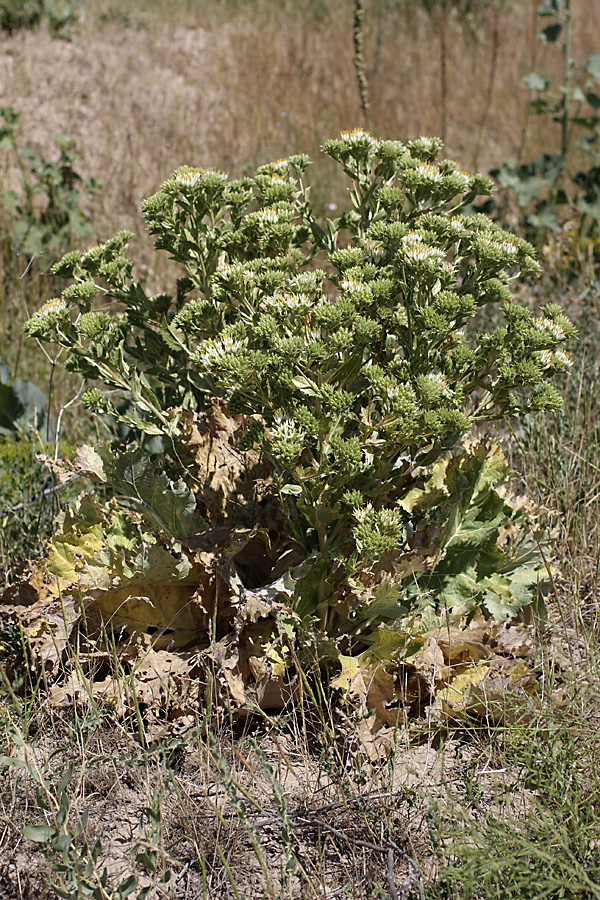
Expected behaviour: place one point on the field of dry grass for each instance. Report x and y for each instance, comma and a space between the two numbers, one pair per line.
143, 89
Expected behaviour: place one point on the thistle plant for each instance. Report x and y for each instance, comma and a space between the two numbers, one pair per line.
349, 348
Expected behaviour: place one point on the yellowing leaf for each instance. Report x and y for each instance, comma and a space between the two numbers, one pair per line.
455, 693
89, 462
351, 670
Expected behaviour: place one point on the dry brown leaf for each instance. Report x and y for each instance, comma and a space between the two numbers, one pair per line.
460, 646
503, 691
47, 624
73, 692
513, 640
175, 613
60, 468
89, 462
430, 663
232, 484
372, 689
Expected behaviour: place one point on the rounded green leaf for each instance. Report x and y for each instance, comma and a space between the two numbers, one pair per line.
39, 833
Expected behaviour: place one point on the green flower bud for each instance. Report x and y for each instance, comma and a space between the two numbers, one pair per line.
94, 326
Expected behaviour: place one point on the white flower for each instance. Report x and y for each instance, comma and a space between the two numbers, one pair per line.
304, 280
56, 305
413, 237
547, 326
281, 166
357, 136
188, 179
507, 245
213, 351
312, 335
362, 514
277, 179
285, 302
286, 429
440, 380
430, 144
464, 176
226, 270
429, 172
390, 518
267, 216
546, 358
350, 286
375, 252
563, 358
90, 249
423, 253
456, 224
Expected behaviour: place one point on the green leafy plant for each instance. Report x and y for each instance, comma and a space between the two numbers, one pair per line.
555, 187
44, 215
341, 349
60, 16
77, 867
24, 507
537, 835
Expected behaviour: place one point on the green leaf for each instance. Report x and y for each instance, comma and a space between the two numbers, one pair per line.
593, 99
433, 492
550, 8
537, 82
170, 505
593, 67
11, 761
41, 834
291, 489
62, 842
551, 33
126, 887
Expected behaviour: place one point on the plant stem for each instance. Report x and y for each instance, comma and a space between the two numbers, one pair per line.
359, 59
444, 69
564, 143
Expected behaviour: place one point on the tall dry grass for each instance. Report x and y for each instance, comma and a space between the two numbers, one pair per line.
144, 87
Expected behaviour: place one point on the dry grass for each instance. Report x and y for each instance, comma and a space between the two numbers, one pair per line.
229, 85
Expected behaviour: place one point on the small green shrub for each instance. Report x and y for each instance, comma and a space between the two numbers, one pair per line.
555, 188
536, 837
60, 15
44, 215
26, 502
347, 350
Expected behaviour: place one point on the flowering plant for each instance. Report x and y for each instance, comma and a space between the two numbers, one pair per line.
348, 351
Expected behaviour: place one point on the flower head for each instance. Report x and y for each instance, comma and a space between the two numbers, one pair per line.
267, 216
358, 137
286, 429
212, 352
429, 173
547, 326
188, 179
50, 307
